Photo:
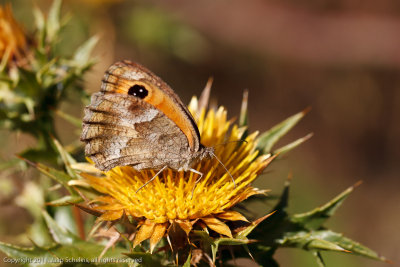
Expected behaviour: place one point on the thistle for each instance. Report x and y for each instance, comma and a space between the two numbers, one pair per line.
178, 197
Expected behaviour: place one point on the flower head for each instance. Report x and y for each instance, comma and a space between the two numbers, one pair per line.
12, 37
179, 197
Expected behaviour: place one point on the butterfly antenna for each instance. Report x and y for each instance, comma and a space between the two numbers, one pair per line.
233, 180
154, 177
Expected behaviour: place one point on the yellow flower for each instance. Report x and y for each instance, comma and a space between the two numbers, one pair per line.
12, 37
175, 197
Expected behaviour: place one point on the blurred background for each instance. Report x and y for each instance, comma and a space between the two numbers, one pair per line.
341, 57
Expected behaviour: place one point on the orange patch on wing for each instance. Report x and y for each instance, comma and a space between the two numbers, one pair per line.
163, 102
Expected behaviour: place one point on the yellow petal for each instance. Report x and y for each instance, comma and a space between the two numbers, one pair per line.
145, 232
86, 167
186, 225
111, 215
104, 199
217, 226
231, 215
159, 231
115, 206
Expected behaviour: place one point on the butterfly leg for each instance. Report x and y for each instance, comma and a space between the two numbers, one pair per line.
154, 177
198, 180
197, 172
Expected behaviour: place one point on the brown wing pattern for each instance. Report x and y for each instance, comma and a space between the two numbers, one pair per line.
122, 130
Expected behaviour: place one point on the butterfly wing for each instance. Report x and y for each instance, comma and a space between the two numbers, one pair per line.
123, 130
123, 76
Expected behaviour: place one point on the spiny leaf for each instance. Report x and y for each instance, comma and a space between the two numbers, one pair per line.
5, 58
65, 201
204, 236
282, 150
209, 241
309, 241
318, 258
268, 139
232, 241
187, 262
282, 205
144, 259
243, 233
315, 218
54, 255
59, 234
8, 164
71, 119
40, 26
264, 256
81, 58
53, 21
327, 240
205, 95
243, 119
19, 253
57, 175
215, 243
348, 244
67, 159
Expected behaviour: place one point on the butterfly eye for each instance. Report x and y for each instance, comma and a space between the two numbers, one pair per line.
138, 91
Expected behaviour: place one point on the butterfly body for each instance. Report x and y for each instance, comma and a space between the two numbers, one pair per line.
137, 120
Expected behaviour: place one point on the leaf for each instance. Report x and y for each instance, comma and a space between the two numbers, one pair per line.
263, 255
57, 175
53, 21
19, 253
82, 54
268, 139
217, 225
309, 241
187, 262
145, 232
328, 240
205, 96
282, 150
71, 119
243, 118
40, 26
66, 247
11, 163
67, 159
54, 255
215, 243
65, 201
231, 215
60, 235
144, 259
314, 219
159, 231
248, 229
282, 205
319, 259
232, 241
348, 244
208, 241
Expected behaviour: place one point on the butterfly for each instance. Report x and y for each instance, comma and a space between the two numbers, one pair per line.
137, 120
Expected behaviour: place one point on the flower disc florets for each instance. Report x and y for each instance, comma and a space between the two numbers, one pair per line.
178, 196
